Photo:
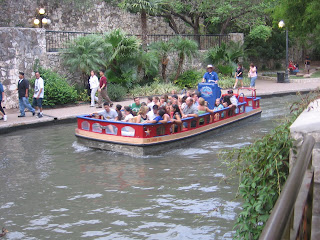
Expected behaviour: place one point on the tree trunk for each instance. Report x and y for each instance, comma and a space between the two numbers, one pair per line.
144, 29
172, 24
196, 28
225, 25
181, 60
164, 68
85, 79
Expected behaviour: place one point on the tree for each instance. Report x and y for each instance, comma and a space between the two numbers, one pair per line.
121, 53
162, 49
302, 19
184, 48
216, 17
85, 54
144, 7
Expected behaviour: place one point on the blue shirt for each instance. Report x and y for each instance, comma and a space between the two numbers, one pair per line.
158, 118
209, 77
1, 91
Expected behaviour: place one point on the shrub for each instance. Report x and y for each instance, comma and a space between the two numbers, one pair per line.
155, 88
82, 94
189, 79
228, 82
56, 89
225, 70
116, 92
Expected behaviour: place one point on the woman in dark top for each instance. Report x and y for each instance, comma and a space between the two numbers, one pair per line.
118, 109
176, 118
239, 76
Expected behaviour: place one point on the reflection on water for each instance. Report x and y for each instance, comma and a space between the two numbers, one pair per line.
54, 188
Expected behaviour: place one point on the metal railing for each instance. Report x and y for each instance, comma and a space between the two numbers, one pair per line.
56, 40
281, 223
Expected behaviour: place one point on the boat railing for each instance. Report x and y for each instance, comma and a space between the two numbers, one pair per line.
151, 130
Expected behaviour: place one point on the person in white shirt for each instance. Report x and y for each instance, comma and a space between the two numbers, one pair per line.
153, 112
94, 85
128, 114
38, 94
230, 101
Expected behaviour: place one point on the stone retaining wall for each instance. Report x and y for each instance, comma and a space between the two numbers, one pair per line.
19, 48
94, 16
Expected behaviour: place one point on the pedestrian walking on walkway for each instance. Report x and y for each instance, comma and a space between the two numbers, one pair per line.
252, 74
307, 63
2, 113
94, 85
23, 92
102, 91
38, 94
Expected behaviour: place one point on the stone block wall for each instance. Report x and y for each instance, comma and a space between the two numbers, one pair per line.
19, 48
95, 16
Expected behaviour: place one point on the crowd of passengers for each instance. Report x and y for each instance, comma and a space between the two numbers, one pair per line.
167, 108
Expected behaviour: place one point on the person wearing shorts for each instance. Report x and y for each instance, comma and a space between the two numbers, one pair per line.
38, 94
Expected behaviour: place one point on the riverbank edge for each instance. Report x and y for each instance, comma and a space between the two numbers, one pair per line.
35, 123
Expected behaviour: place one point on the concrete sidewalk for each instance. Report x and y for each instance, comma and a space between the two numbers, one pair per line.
265, 88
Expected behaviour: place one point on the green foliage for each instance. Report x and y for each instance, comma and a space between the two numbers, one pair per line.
271, 49
225, 69
136, 6
121, 57
56, 89
184, 48
225, 54
82, 94
149, 63
189, 79
225, 57
116, 92
261, 32
162, 49
85, 54
263, 168
155, 88
226, 82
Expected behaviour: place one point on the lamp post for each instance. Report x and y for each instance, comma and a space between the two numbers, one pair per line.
281, 24
41, 18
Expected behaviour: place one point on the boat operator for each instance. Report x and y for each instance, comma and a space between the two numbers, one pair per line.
210, 76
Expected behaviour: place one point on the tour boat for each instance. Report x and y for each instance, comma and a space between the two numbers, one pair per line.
148, 138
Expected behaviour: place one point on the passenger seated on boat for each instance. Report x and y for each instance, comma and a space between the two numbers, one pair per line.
128, 114
189, 111
153, 112
230, 101
158, 118
163, 101
95, 116
195, 97
218, 106
156, 101
166, 116
150, 102
174, 99
176, 117
118, 109
135, 106
108, 113
203, 109
182, 102
142, 114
